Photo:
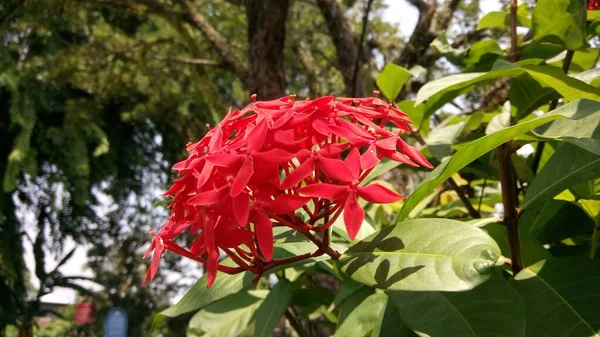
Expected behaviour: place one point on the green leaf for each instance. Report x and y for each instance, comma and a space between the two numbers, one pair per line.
347, 289
502, 19
482, 222
582, 60
491, 309
475, 149
384, 167
416, 114
527, 94
561, 21
500, 121
441, 139
199, 296
531, 249
391, 80
592, 208
561, 297
583, 132
569, 166
556, 220
273, 307
390, 323
340, 229
423, 254
362, 317
441, 91
483, 54
228, 316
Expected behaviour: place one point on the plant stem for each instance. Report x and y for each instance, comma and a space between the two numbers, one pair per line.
481, 196
295, 323
553, 104
513, 30
595, 239
463, 197
510, 201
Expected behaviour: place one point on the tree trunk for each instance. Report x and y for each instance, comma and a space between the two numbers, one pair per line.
343, 39
266, 38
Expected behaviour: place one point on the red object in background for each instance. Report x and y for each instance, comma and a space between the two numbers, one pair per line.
84, 313
593, 5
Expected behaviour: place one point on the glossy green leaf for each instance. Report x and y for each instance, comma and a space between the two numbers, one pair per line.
482, 55
475, 149
391, 80
384, 167
347, 289
390, 324
340, 229
491, 309
362, 317
556, 220
273, 307
569, 166
527, 94
561, 297
441, 91
423, 254
532, 250
583, 132
592, 208
440, 139
582, 60
561, 21
482, 222
199, 296
228, 316
501, 19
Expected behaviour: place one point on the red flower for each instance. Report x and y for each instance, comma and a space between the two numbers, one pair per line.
266, 162
347, 194
593, 5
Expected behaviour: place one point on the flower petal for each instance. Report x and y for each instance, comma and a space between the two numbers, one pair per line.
387, 143
241, 208
243, 177
208, 197
335, 169
256, 137
369, 159
272, 157
213, 251
285, 137
299, 174
353, 215
225, 160
378, 194
204, 175
321, 127
264, 234
352, 161
285, 203
327, 191
413, 153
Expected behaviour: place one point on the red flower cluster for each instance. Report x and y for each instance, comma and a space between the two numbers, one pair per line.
270, 159
593, 5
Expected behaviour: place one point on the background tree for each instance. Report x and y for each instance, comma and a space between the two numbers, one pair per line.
97, 98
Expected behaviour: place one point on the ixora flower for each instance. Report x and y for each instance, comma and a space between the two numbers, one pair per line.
267, 162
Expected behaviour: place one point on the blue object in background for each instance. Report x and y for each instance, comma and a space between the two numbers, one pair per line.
116, 323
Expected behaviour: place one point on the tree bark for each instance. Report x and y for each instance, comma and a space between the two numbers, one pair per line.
343, 39
266, 39
428, 26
